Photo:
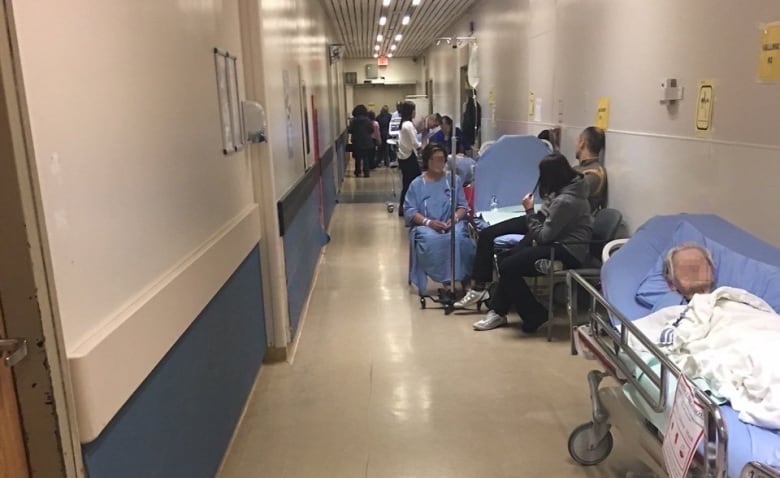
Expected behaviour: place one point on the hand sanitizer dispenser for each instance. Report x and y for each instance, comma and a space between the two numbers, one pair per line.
254, 121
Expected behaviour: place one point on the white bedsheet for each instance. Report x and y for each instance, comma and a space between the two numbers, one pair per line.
731, 339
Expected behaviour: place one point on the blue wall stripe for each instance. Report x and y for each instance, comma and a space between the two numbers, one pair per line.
180, 420
329, 196
303, 241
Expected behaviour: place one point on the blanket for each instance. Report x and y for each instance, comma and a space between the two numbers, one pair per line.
731, 340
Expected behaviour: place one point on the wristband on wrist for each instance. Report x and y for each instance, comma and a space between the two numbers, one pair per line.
426, 221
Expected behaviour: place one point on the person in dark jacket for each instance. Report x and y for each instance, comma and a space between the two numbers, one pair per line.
383, 119
565, 217
589, 147
472, 120
361, 128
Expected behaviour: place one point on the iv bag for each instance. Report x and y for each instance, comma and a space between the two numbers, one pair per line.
473, 71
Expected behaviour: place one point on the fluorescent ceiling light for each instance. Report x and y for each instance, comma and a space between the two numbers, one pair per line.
398, 37
389, 55
393, 47
376, 47
415, 3
387, 2
404, 21
376, 55
382, 20
379, 37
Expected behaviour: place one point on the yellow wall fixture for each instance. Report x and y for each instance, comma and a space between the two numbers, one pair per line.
704, 103
602, 113
769, 58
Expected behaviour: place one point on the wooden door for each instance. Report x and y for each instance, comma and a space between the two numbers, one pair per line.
13, 459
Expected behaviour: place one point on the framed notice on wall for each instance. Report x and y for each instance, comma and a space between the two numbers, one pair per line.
226, 66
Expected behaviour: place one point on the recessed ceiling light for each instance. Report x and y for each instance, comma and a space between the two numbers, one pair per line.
387, 2
393, 47
379, 37
382, 20
376, 55
376, 47
404, 21
415, 3
389, 55
398, 37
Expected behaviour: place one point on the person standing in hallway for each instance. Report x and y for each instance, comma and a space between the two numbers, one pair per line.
376, 136
361, 129
384, 131
589, 147
407, 151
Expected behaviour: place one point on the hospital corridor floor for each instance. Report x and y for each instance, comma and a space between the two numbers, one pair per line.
379, 388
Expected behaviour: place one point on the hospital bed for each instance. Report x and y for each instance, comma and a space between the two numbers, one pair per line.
635, 394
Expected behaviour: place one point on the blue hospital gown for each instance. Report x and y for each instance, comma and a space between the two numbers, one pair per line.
430, 249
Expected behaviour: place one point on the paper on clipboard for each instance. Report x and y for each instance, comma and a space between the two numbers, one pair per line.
684, 431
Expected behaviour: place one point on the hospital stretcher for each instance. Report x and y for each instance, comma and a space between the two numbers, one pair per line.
638, 406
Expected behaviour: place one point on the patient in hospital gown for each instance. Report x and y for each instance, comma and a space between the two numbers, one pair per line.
428, 213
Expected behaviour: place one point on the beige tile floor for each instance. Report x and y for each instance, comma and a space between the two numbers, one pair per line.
379, 388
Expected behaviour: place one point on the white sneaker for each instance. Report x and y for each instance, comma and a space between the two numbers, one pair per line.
472, 297
491, 321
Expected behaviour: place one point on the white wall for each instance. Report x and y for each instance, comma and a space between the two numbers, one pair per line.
571, 52
146, 218
126, 132
399, 71
295, 34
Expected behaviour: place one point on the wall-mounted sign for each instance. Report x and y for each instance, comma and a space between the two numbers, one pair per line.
602, 113
704, 105
769, 58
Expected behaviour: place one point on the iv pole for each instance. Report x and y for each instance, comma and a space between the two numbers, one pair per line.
447, 298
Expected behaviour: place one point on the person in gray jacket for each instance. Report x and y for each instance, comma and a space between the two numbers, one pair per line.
565, 218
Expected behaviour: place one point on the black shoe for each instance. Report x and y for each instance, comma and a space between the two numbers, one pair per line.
365, 175
532, 322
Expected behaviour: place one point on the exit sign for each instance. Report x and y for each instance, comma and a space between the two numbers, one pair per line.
382, 61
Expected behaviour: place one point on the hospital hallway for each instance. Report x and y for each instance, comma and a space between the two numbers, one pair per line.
380, 388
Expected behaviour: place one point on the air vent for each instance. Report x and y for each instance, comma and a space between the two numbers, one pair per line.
350, 77
371, 72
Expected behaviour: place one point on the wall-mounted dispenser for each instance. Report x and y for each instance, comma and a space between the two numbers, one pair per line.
254, 121
670, 92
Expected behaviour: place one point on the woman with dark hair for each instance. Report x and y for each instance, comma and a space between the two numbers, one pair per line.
428, 213
407, 150
361, 128
564, 223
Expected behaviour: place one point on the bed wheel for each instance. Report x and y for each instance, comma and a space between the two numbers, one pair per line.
423, 304
583, 449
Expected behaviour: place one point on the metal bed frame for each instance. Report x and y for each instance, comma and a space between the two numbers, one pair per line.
591, 442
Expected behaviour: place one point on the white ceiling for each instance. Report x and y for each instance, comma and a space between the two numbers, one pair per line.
357, 23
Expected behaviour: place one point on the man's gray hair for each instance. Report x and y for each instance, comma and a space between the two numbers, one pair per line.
668, 260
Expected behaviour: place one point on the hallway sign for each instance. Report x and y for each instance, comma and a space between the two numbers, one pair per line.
602, 113
769, 58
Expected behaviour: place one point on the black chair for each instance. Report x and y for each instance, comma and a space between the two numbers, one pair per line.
606, 223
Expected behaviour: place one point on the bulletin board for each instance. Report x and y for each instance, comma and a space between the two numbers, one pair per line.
231, 120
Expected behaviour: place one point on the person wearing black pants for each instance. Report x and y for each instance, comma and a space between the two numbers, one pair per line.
361, 129
407, 147
565, 223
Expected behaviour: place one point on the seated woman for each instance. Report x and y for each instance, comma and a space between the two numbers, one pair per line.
427, 211
566, 218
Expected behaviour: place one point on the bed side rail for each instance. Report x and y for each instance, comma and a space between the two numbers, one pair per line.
759, 470
613, 341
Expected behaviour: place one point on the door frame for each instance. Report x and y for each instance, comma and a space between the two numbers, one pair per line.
42, 380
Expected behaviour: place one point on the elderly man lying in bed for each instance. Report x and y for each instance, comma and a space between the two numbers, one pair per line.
688, 269
725, 339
